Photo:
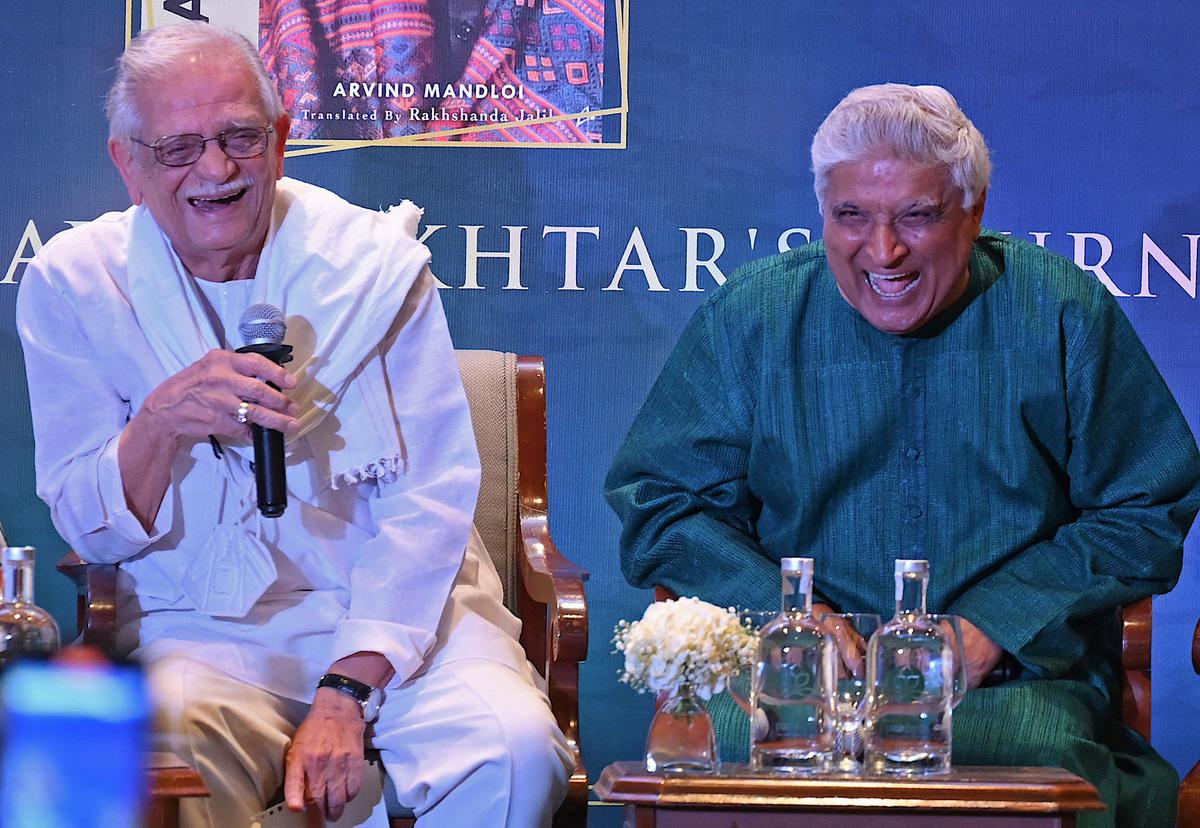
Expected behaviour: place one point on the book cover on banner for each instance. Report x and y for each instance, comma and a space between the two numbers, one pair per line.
436, 72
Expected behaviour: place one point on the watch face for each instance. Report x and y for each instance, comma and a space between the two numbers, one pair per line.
371, 705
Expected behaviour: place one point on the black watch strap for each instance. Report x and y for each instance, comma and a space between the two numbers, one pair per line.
351, 687
1007, 669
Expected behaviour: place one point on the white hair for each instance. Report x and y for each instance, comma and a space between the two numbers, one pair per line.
153, 53
914, 123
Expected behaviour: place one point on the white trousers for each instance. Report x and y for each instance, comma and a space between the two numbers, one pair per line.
469, 743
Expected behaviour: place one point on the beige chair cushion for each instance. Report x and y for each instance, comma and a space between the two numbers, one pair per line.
490, 380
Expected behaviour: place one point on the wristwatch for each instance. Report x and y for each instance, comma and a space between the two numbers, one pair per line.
369, 697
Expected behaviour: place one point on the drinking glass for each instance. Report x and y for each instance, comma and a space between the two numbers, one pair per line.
739, 680
951, 625
851, 629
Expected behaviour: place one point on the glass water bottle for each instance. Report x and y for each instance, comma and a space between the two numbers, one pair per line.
25, 628
791, 692
910, 684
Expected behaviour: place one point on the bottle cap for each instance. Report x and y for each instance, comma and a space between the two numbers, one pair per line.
906, 565
796, 564
18, 553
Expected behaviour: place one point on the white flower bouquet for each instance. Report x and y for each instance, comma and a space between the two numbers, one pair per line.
683, 642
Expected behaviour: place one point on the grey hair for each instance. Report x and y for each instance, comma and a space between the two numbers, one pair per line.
915, 123
156, 51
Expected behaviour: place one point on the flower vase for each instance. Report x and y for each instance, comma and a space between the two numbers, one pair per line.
681, 737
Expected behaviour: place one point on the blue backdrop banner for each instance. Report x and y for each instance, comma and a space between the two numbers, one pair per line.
671, 146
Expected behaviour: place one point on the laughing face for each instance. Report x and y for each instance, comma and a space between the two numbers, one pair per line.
215, 211
898, 240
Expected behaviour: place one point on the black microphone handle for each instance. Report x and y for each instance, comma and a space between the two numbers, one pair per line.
269, 473
269, 470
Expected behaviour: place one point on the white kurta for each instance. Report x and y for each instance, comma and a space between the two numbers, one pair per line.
374, 566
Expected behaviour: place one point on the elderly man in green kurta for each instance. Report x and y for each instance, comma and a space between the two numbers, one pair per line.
914, 387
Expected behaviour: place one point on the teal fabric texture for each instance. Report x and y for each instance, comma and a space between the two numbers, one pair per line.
1022, 441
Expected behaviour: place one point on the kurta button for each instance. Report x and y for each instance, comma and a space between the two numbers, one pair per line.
911, 453
464, 31
913, 511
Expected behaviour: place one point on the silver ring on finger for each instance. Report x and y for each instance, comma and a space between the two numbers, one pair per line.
243, 410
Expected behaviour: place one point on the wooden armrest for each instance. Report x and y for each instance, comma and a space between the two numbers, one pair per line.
556, 585
1136, 630
1189, 800
553, 580
554, 620
1189, 790
95, 602
548, 576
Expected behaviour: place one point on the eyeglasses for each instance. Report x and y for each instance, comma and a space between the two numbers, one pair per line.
236, 142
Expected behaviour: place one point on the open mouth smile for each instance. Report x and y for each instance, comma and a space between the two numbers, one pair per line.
893, 285
212, 201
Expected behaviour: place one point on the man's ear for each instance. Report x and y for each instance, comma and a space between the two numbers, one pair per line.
282, 125
123, 159
977, 211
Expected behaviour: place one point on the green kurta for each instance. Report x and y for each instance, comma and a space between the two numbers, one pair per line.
1023, 442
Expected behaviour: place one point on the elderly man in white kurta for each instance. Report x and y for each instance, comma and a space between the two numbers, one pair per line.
268, 639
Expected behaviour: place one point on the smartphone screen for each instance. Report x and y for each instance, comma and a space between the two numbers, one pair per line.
72, 745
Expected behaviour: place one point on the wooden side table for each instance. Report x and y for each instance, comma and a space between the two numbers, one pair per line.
170, 780
989, 797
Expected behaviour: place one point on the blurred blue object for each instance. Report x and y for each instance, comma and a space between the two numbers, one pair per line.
74, 738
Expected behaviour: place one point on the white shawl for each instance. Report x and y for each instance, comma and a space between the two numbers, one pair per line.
340, 274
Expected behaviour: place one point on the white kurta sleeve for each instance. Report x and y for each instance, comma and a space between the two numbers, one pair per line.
78, 416
401, 579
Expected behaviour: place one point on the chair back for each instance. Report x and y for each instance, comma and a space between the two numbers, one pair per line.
490, 380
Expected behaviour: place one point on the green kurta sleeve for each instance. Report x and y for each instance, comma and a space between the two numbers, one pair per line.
1132, 472
679, 485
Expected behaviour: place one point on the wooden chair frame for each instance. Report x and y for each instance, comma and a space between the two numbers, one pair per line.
1137, 625
551, 600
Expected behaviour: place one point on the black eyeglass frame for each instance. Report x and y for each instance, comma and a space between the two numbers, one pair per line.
221, 138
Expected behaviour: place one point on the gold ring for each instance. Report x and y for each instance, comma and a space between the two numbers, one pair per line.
242, 410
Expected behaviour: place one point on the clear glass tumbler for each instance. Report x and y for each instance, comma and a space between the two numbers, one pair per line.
851, 630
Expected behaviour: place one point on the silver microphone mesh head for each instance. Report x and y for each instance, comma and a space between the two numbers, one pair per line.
262, 324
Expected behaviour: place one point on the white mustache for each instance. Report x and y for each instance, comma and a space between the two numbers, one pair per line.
223, 190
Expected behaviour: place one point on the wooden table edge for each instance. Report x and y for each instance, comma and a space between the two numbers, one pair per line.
630, 783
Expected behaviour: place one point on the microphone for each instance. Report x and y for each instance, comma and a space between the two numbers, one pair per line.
262, 329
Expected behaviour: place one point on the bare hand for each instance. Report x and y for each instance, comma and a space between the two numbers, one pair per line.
203, 398
325, 760
851, 647
981, 653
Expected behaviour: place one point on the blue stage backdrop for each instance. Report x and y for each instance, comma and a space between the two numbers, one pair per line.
595, 253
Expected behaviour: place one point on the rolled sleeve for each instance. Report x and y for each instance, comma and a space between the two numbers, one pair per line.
401, 645
120, 533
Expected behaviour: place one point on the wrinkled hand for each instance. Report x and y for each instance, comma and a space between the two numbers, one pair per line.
851, 647
325, 760
203, 398
981, 653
